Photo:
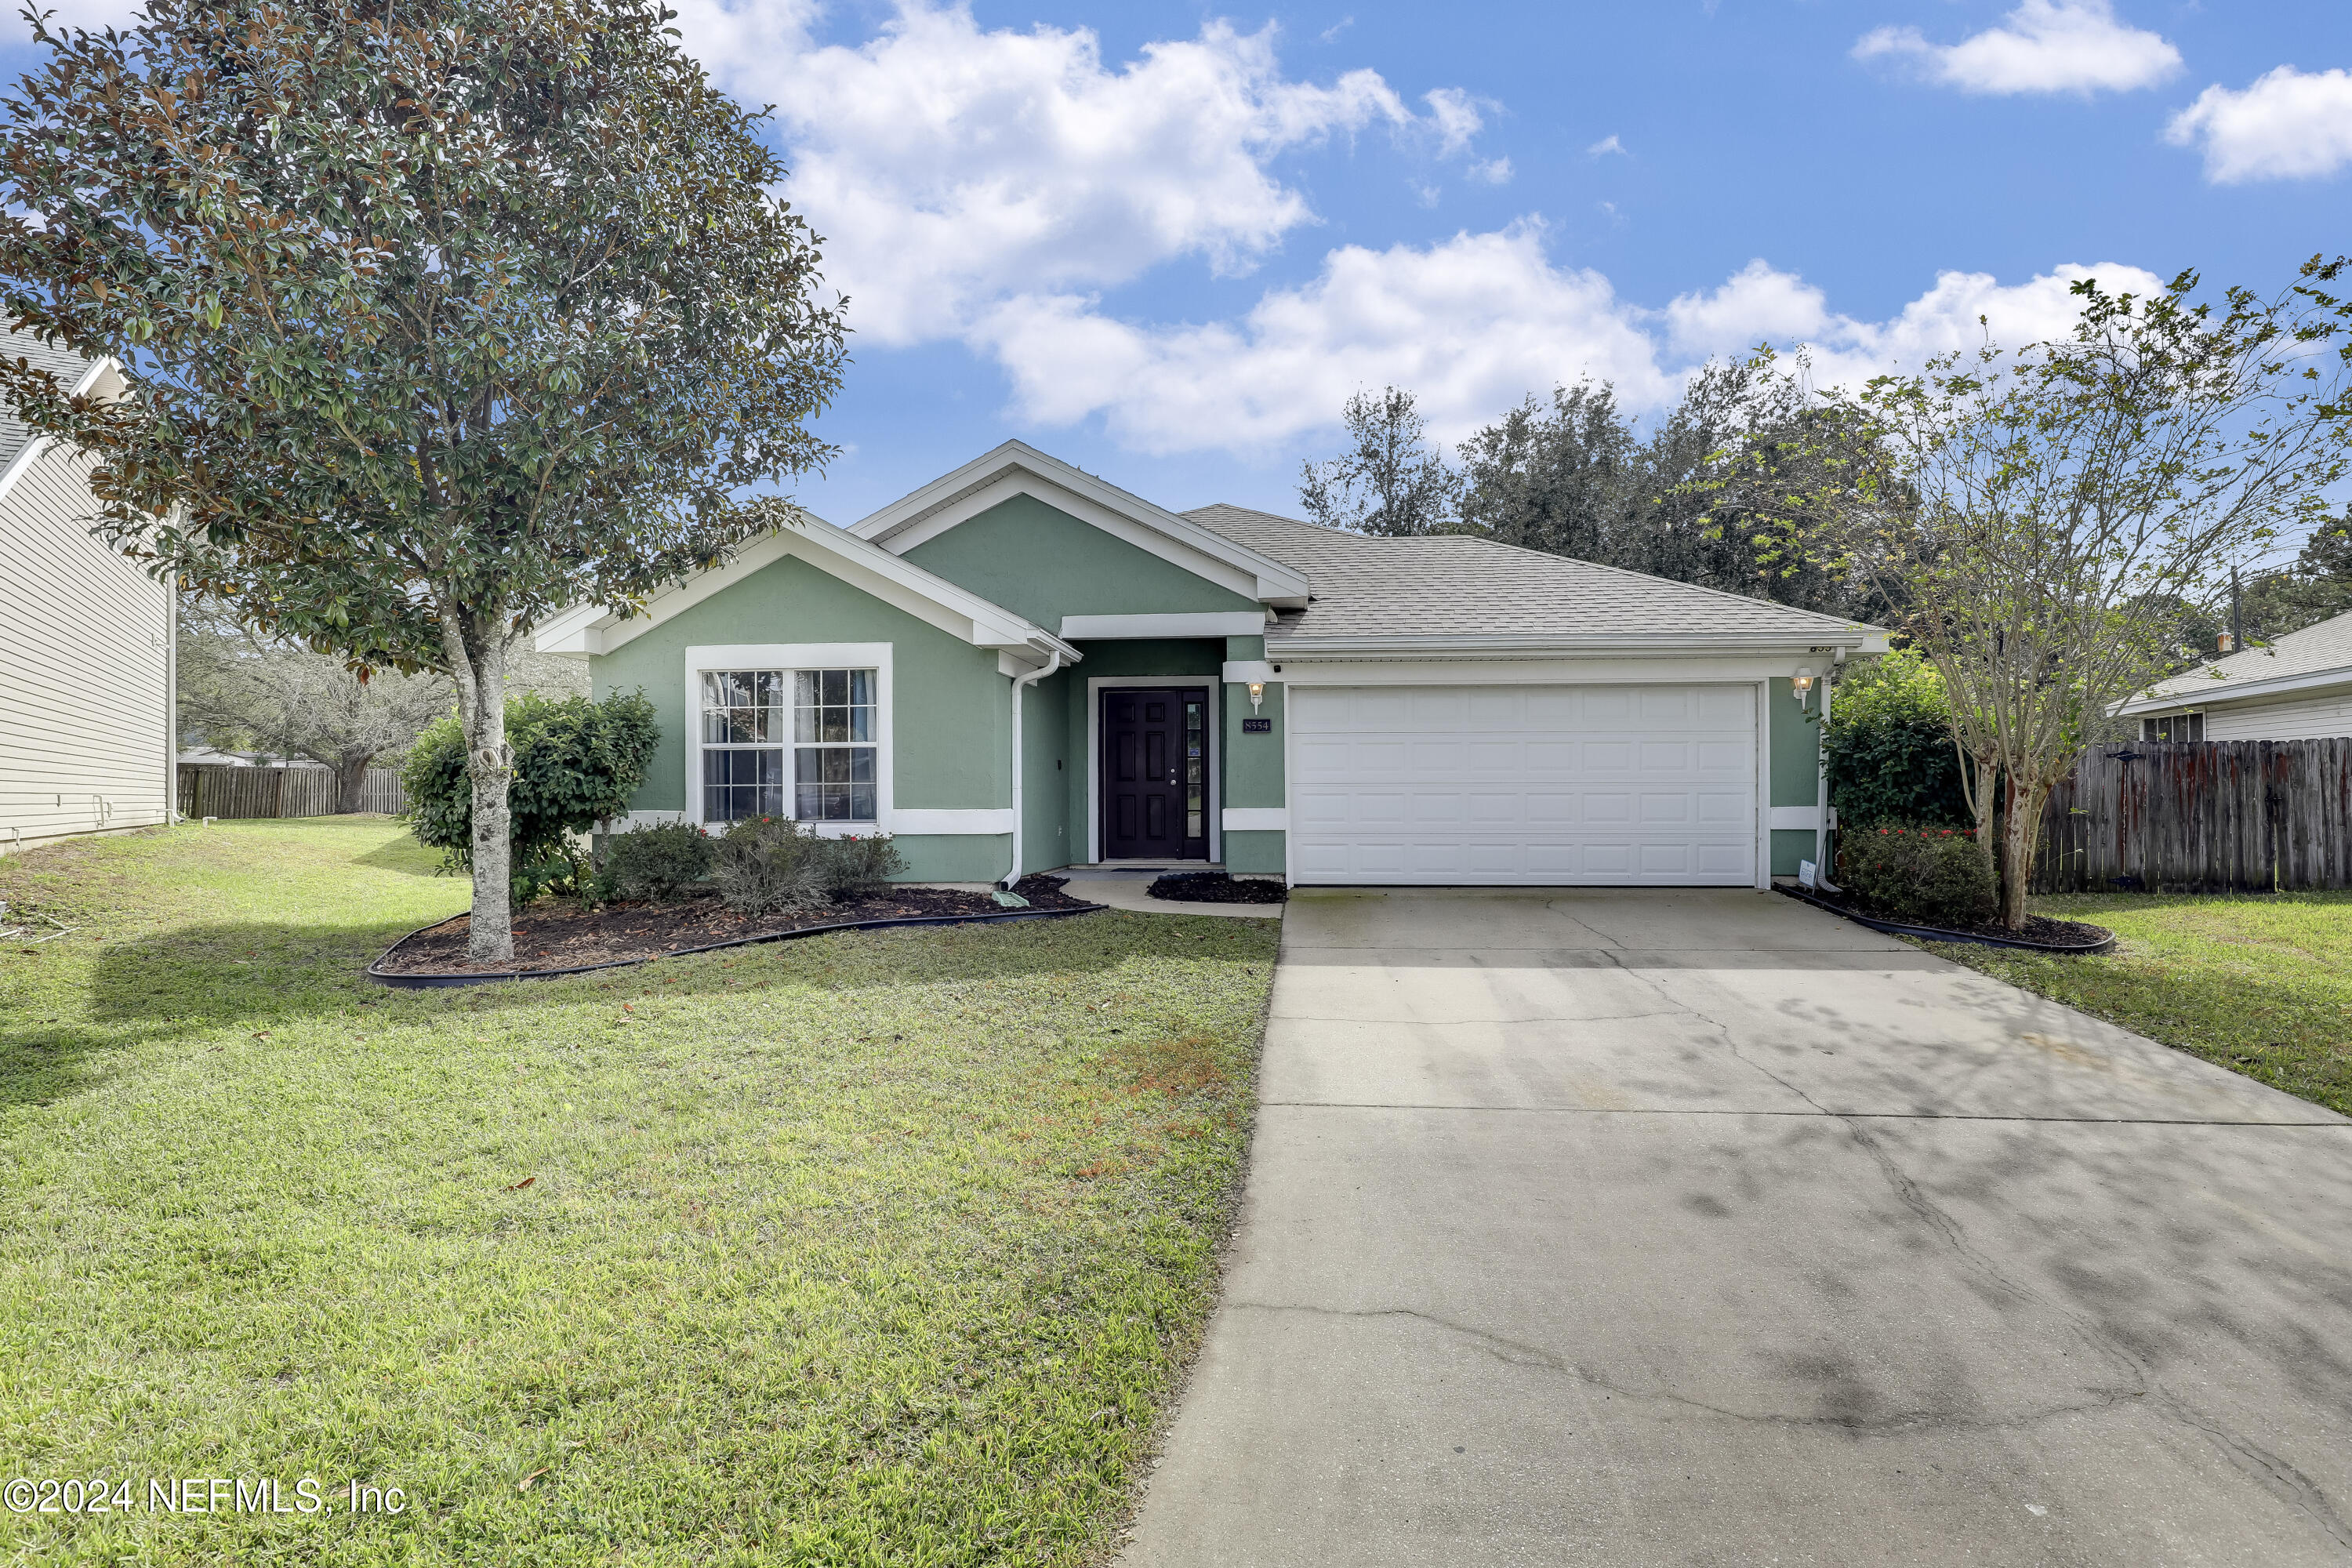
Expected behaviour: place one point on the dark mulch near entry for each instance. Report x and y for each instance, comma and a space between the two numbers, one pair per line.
1217, 888
560, 935
2038, 931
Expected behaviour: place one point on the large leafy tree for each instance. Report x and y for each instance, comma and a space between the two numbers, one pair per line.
435, 318
2044, 515
1390, 480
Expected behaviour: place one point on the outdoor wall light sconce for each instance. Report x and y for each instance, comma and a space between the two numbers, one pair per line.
1257, 694
1802, 683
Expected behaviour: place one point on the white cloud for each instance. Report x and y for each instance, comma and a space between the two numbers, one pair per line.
1495, 172
2288, 125
2043, 45
1471, 324
949, 167
94, 14
1962, 310
1606, 145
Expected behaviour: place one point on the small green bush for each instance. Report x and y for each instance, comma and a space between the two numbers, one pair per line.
1889, 747
1928, 876
657, 862
576, 763
854, 866
765, 864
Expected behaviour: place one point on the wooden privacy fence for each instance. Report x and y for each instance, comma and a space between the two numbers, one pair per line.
2203, 816
213, 790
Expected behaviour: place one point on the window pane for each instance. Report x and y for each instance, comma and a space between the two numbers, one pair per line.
861, 688
861, 764
837, 687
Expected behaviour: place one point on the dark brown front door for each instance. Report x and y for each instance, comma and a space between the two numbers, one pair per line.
1155, 773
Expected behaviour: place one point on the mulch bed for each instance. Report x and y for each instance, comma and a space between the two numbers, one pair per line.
1217, 888
562, 934
2038, 931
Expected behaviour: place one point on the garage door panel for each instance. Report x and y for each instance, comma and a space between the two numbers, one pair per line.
1524, 785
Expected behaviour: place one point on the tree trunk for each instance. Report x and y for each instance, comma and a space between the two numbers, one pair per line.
2021, 836
477, 640
351, 784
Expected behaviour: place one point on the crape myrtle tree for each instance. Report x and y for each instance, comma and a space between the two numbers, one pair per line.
435, 318
2043, 515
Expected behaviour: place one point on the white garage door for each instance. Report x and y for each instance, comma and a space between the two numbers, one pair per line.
1631, 785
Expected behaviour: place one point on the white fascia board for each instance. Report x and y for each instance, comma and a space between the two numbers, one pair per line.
930, 598
2225, 693
1860, 639
1268, 580
1196, 623
1735, 665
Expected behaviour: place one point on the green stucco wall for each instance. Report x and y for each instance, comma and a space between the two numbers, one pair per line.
1254, 851
1795, 769
1045, 564
950, 710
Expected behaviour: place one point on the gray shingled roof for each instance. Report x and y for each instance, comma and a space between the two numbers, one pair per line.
2314, 650
1454, 585
66, 365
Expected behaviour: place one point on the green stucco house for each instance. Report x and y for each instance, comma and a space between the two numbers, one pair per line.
1019, 668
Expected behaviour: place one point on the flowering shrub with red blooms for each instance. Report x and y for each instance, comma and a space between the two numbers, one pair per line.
1928, 876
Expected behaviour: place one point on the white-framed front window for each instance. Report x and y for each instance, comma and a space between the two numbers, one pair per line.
790, 729
789, 743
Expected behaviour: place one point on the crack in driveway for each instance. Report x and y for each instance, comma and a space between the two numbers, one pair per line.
1517, 1352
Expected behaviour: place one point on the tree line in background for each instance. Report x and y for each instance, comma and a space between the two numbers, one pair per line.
1573, 474
2049, 527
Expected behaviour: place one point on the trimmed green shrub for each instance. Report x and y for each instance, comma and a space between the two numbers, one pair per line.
1928, 876
860, 865
657, 862
765, 864
1889, 746
576, 763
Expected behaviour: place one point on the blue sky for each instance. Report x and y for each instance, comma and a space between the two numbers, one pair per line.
1164, 241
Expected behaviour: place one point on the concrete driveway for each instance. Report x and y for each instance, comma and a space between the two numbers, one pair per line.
1692, 1227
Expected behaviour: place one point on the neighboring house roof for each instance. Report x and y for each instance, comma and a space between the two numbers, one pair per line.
1443, 592
1017, 468
593, 629
2313, 657
19, 443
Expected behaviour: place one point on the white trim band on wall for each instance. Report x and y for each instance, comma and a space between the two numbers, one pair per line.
1793, 818
1193, 624
1257, 819
1242, 671
989, 822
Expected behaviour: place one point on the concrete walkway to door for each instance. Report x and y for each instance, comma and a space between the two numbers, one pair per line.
1693, 1227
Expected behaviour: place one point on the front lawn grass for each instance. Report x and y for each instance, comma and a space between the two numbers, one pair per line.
2262, 985
879, 1248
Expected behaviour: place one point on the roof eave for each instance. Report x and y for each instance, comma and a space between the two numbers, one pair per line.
1860, 639
2224, 691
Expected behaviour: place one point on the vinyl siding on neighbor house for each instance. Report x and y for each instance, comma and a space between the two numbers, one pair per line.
86, 731
2289, 719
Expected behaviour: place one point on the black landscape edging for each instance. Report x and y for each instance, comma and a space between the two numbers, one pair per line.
1938, 933
428, 980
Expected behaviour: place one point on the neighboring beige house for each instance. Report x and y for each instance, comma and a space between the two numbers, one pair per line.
2297, 688
86, 646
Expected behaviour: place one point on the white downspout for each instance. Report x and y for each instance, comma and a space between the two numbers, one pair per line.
1822, 818
1020, 686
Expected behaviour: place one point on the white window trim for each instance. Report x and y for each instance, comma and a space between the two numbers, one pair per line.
874, 655
1096, 684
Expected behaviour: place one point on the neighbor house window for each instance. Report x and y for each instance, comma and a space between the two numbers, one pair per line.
2173, 727
788, 742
